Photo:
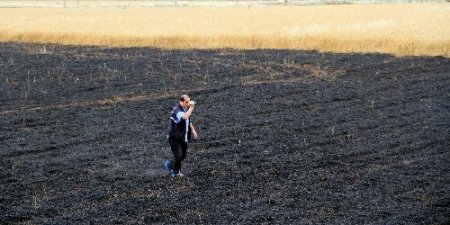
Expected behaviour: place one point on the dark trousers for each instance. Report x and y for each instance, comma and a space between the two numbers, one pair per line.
179, 150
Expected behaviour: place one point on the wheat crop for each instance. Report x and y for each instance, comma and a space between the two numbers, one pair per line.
400, 29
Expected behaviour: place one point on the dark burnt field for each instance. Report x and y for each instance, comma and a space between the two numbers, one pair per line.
286, 137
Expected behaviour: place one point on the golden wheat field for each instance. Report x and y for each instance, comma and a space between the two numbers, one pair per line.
400, 29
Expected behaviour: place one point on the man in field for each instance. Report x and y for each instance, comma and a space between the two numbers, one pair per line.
180, 131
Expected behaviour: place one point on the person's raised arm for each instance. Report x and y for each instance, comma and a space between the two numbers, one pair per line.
188, 114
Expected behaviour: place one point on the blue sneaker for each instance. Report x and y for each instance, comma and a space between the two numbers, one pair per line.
175, 174
167, 165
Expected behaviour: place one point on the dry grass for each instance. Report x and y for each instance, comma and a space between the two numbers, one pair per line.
400, 29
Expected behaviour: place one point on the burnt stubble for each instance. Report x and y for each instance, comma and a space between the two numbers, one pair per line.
286, 137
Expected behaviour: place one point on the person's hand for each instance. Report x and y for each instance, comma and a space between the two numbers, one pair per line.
194, 135
192, 104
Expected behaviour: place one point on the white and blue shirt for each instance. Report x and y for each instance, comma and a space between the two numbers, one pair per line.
179, 128
179, 116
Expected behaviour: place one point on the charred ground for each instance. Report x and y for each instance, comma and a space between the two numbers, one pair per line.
287, 137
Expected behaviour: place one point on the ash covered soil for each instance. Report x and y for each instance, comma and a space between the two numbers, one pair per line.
286, 137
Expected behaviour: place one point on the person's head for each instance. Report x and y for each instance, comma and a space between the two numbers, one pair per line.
184, 101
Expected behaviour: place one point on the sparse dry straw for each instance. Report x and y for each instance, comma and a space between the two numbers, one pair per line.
400, 29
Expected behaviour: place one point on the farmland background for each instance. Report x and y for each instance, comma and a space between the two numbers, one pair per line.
400, 29
286, 137
303, 118
152, 3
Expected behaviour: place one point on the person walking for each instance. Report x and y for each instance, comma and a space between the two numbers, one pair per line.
180, 132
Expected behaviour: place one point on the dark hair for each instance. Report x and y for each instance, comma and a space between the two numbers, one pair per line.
183, 97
